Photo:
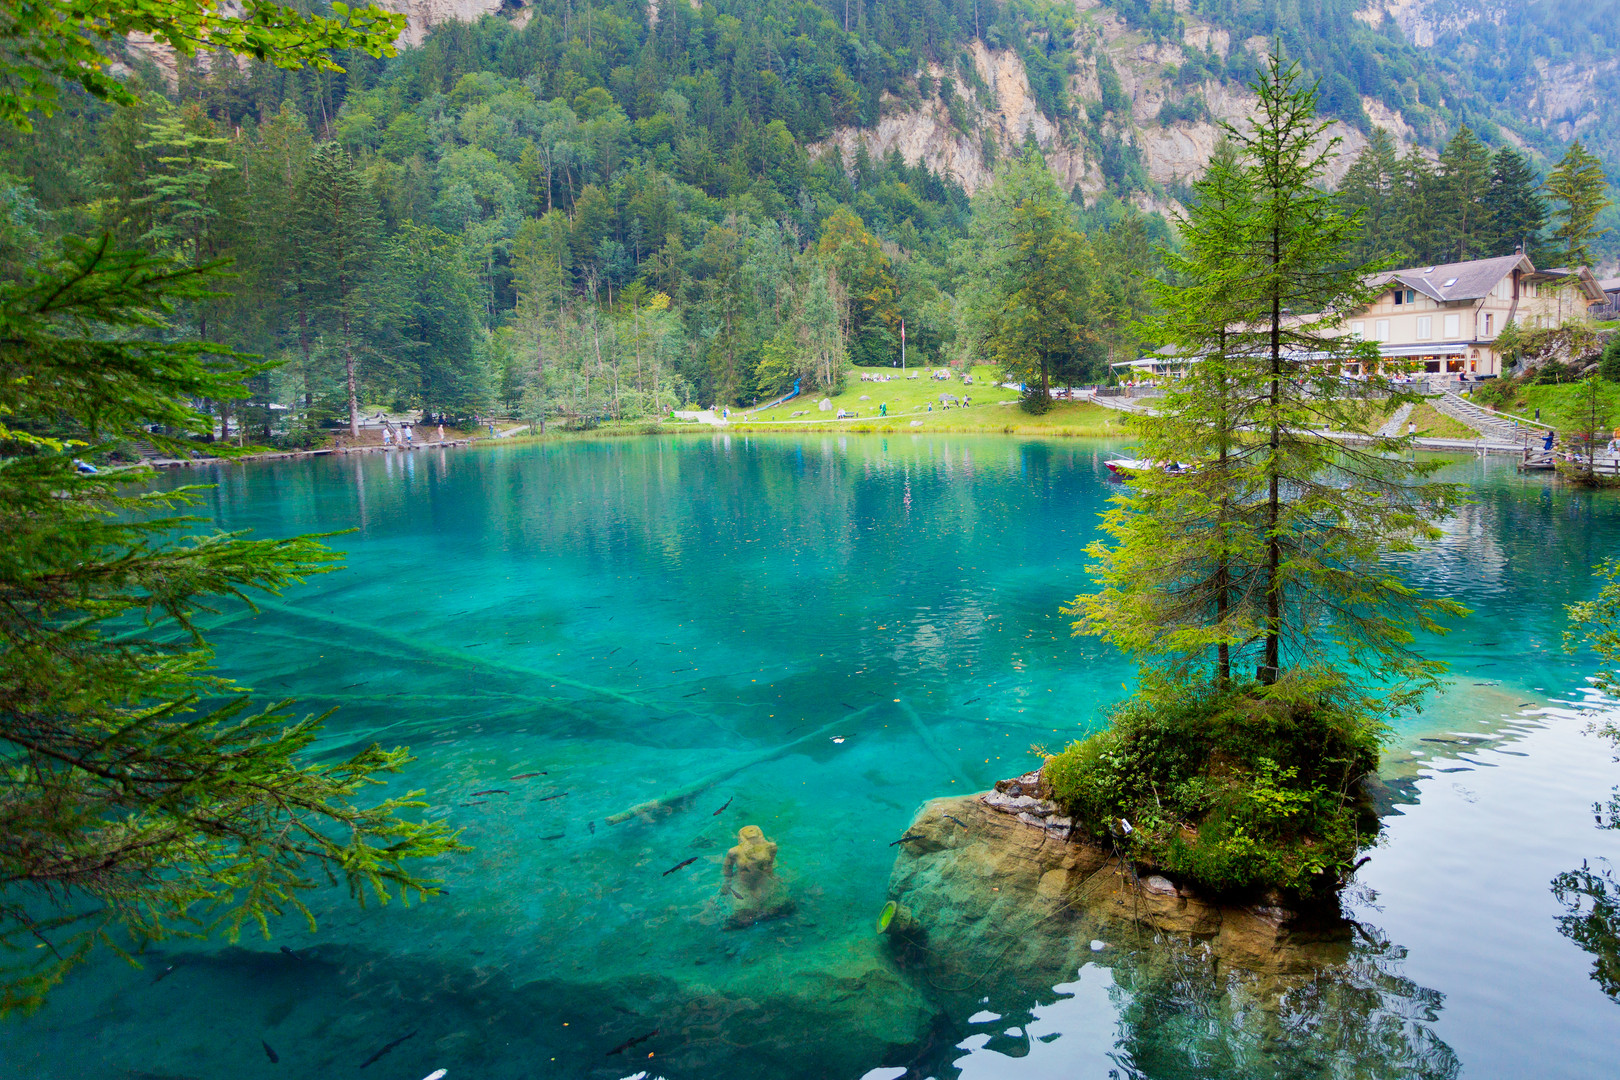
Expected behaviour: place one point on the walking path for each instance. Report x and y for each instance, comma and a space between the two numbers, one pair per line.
1494, 426
703, 416
1498, 439
1392, 427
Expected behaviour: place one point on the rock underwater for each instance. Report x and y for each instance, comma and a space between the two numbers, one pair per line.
750, 880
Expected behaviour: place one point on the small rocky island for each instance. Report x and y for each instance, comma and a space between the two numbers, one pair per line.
1000, 879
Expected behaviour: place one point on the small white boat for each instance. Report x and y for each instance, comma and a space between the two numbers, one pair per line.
1125, 467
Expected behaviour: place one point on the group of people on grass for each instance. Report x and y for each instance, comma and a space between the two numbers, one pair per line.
405, 437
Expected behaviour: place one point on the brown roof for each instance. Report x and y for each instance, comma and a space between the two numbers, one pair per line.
1456, 281
1610, 284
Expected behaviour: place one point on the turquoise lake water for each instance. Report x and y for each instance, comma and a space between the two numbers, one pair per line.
626, 617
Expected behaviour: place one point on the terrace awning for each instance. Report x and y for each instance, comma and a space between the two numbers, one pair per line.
1454, 348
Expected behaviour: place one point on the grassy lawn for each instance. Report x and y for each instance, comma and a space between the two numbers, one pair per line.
1434, 424
994, 409
1559, 404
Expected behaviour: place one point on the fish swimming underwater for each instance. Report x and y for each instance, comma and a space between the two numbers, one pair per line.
387, 1048
679, 866
627, 1044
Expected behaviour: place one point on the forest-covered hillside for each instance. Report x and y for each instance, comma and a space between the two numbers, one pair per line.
610, 208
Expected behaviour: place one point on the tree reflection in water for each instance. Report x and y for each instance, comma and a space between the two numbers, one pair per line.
1178, 1012
1592, 898
1184, 1016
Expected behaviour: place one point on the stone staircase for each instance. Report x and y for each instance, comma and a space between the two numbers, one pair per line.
1508, 430
1396, 425
1125, 405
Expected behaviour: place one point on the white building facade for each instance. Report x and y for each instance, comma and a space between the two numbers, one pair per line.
1444, 320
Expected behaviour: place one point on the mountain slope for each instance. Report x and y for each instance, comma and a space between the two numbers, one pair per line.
1126, 97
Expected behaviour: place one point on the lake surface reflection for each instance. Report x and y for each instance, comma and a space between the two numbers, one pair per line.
562, 633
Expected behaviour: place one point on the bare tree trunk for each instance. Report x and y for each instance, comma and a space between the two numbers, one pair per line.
1272, 661
1223, 564
348, 368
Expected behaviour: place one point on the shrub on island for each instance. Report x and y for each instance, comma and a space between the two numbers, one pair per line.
1252, 789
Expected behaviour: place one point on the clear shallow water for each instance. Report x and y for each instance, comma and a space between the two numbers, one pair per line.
629, 616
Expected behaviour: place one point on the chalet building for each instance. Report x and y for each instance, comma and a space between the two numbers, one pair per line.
1444, 320
1610, 307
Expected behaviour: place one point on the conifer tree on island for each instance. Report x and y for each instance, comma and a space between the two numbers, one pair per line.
1268, 547
144, 797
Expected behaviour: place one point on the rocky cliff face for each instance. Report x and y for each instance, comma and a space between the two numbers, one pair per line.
1005, 113
1567, 100
423, 15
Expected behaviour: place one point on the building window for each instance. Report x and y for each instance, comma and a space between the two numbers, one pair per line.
1399, 296
1381, 330
1490, 324
1425, 329
1359, 329
1453, 326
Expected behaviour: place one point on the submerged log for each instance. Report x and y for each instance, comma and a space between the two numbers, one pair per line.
686, 791
929, 741
452, 658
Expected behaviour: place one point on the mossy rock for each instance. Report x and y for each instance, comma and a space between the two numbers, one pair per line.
1238, 792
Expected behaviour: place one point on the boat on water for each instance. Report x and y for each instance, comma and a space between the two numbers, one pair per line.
1126, 467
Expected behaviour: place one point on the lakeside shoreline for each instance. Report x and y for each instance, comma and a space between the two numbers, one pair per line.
1460, 447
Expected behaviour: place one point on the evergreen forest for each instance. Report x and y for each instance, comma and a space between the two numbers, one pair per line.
605, 211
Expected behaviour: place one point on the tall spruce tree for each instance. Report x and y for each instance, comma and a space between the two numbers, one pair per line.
1517, 213
337, 231
1371, 188
1324, 541
1580, 192
1418, 205
1465, 176
1252, 536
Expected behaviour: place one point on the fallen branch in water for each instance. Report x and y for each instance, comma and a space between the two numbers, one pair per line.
688, 790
